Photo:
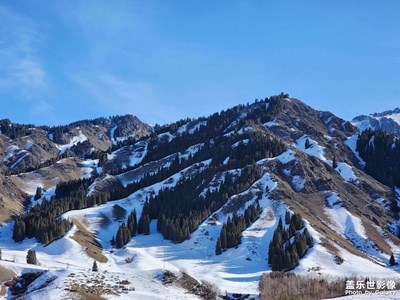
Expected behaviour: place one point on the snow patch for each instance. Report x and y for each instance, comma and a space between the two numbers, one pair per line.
74, 141
351, 142
350, 226
314, 149
10, 152
346, 172
28, 145
286, 156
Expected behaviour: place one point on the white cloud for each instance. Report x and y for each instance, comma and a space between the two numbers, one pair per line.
21, 67
28, 74
22, 72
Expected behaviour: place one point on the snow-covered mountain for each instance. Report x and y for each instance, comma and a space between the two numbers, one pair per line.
26, 148
388, 121
185, 181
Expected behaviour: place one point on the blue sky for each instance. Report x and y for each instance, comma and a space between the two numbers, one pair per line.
61, 61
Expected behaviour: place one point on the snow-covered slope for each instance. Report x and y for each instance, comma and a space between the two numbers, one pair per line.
317, 174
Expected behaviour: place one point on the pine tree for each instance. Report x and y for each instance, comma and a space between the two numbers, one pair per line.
301, 245
223, 237
280, 225
119, 241
297, 221
31, 257
44, 238
294, 256
287, 217
94, 267
307, 144
392, 260
285, 236
19, 230
39, 193
1, 255
334, 163
218, 249
146, 225
140, 225
292, 229
132, 222
309, 239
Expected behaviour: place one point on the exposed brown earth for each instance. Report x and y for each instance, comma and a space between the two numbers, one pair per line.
88, 241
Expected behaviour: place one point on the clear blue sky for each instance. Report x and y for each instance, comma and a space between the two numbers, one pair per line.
62, 61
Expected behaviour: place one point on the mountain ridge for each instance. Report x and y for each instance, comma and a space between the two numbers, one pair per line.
388, 121
195, 174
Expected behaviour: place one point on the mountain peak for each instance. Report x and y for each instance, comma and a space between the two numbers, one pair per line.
387, 113
388, 121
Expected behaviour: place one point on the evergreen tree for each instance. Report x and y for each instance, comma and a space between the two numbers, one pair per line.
94, 267
292, 229
294, 256
146, 225
307, 144
392, 260
119, 241
1, 255
301, 245
39, 193
334, 163
31, 257
218, 250
44, 238
309, 239
280, 225
132, 223
287, 217
140, 225
297, 221
223, 237
19, 230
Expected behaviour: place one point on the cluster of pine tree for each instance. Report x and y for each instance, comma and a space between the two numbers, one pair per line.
13, 130
42, 221
181, 210
259, 146
231, 232
213, 127
126, 232
44, 229
381, 153
265, 114
289, 245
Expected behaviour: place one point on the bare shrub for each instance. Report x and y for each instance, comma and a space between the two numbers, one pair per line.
209, 289
282, 286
